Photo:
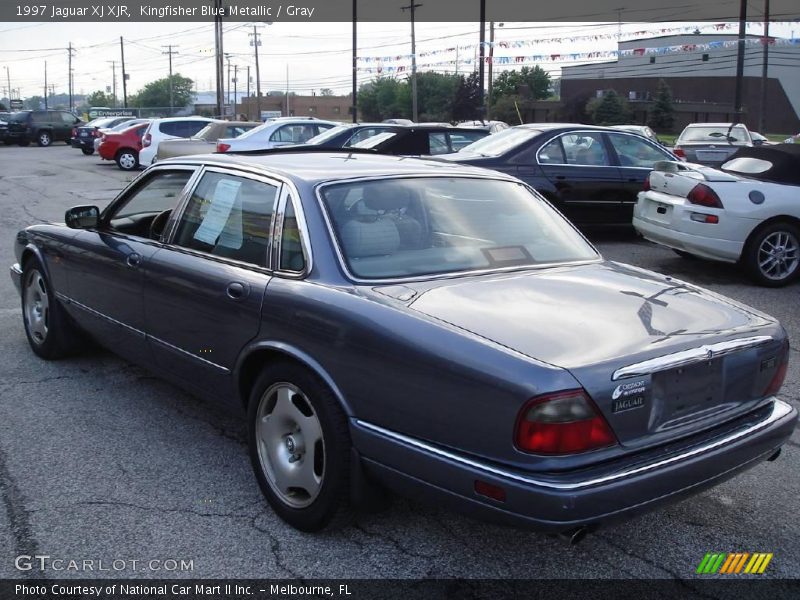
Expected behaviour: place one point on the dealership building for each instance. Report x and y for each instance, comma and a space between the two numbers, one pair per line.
701, 72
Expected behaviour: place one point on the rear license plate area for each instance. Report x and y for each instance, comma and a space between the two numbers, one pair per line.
660, 212
684, 394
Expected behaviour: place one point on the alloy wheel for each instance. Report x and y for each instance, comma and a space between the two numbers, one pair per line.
290, 444
37, 306
127, 161
778, 255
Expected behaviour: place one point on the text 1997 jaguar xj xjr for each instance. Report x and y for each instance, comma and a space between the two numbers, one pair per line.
432, 328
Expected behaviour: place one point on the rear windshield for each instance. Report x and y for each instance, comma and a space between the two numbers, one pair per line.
414, 227
19, 117
714, 134
500, 142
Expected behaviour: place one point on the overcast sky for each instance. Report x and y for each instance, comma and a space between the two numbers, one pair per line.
317, 55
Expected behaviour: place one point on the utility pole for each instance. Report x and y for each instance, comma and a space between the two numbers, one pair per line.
355, 61
235, 88
113, 80
248, 89
228, 77
482, 54
288, 114
124, 75
218, 61
764, 69
70, 51
414, 110
8, 75
491, 61
737, 101
255, 43
170, 52
45, 85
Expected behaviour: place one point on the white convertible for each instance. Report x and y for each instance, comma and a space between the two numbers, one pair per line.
748, 211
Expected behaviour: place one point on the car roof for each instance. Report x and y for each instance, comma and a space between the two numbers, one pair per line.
313, 167
714, 125
194, 118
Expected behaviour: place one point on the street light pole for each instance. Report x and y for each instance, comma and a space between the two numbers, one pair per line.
764, 70
737, 101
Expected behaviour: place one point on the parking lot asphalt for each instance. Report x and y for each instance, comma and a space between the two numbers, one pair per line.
99, 460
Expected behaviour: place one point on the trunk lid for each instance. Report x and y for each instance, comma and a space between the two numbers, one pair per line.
597, 319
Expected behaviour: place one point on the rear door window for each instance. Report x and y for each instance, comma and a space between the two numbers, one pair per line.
295, 134
585, 149
635, 151
229, 217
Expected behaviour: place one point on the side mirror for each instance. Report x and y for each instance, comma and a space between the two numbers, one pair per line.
82, 217
758, 142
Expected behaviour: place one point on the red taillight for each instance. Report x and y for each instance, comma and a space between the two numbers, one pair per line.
147, 139
702, 195
562, 423
678, 151
646, 186
222, 147
780, 374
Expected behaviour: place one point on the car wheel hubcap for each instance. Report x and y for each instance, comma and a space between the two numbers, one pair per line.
291, 448
45, 139
127, 161
37, 307
779, 255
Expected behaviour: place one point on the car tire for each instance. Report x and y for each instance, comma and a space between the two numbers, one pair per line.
48, 328
87, 151
127, 159
44, 139
772, 254
300, 447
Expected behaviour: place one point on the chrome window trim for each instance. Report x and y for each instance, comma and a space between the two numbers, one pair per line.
601, 132
780, 410
451, 274
305, 241
689, 357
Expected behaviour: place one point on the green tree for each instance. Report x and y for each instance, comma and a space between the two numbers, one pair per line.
100, 98
662, 115
326, 92
528, 82
384, 98
611, 109
435, 95
34, 103
510, 108
468, 101
156, 93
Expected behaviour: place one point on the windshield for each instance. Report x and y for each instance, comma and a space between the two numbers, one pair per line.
415, 227
372, 142
714, 134
126, 124
500, 142
19, 117
100, 122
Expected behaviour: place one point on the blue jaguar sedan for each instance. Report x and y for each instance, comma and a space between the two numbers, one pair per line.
431, 328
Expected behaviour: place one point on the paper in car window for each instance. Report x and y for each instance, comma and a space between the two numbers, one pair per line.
216, 219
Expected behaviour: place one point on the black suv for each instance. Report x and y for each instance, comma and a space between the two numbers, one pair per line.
43, 126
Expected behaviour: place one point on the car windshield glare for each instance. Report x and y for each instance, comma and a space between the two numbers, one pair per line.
713, 134
415, 227
327, 135
500, 142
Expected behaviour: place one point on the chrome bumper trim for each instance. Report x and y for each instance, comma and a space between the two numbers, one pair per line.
688, 357
780, 410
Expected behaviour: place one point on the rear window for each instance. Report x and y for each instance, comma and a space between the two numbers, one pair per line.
19, 117
714, 134
501, 142
747, 165
414, 227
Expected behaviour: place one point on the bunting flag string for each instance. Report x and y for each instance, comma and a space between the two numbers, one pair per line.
514, 44
583, 56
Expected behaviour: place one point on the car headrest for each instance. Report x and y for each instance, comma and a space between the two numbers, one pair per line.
385, 197
370, 238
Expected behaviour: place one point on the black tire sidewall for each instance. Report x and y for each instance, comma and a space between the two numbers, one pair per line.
751, 253
333, 499
87, 151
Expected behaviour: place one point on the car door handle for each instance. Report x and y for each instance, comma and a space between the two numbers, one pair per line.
133, 260
237, 291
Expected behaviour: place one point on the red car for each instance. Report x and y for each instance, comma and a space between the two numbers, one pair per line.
123, 147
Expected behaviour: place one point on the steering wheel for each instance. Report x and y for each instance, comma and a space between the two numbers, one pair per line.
158, 223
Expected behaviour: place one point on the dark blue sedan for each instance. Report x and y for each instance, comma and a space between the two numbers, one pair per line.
591, 174
416, 325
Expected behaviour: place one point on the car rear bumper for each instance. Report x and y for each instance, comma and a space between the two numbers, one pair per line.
560, 502
16, 276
